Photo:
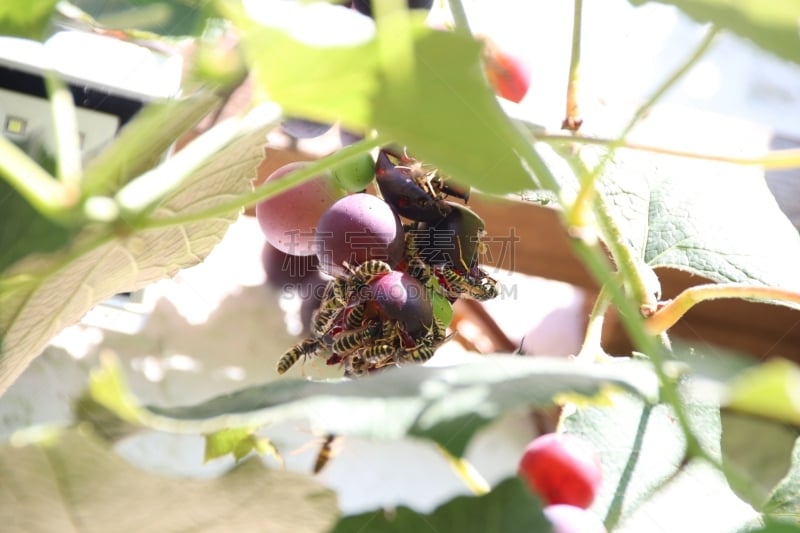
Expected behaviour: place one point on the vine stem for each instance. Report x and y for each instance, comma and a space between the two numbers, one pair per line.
592, 346
466, 472
459, 16
269, 189
772, 160
31, 181
572, 120
65, 129
578, 215
665, 317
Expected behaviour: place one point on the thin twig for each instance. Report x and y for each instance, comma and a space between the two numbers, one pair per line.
573, 120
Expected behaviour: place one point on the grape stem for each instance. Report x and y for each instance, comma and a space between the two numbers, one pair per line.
669, 313
572, 120
579, 214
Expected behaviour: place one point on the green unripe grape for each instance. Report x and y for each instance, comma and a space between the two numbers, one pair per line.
356, 174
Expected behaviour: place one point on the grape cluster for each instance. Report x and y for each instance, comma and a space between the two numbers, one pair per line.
397, 261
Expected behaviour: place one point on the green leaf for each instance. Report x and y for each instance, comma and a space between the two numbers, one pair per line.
40, 295
292, 66
715, 220
758, 448
77, 483
784, 502
432, 97
771, 25
446, 405
770, 390
22, 18
646, 471
24, 230
508, 507
776, 527
237, 442
448, 115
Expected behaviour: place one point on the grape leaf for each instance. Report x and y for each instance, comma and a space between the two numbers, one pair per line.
447, 114
760, 448
644, 458
25, 230
508, 507
776, 527
22, 18
771, 25
78, 483
40, 295
447, 405
712, 219
432, 96
769, 390
784, 501
237, 442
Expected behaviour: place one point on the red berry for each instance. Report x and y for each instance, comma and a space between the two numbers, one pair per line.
509, 75
571, 519
561, 469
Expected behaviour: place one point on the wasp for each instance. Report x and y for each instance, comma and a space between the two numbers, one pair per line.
304, 348
481, 289
350, 341
325, 452
368, 271
355, 316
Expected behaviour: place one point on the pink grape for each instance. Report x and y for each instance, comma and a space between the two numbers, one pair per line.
570, 519
289, 219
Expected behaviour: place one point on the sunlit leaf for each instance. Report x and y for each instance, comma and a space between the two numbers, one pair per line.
703, 217
77, 483
238, 442
770, 390
22, 18
40, 295
436, 101
446, 405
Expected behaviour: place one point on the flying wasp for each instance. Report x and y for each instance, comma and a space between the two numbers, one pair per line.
305, 348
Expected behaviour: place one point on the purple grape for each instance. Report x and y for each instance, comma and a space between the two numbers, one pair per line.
289, 219
300, 128
285, 270
357, 228
365, 8
399, 296
405, 196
